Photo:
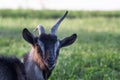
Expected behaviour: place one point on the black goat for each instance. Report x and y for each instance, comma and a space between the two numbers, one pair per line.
42, 58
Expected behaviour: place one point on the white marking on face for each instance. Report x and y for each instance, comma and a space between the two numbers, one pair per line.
56, 46
42, 47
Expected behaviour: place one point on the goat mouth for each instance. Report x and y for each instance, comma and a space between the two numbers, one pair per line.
50, 66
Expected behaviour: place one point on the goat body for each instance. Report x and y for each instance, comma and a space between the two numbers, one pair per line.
11, 68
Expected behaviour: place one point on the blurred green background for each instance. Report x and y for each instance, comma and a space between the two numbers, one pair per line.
94, 56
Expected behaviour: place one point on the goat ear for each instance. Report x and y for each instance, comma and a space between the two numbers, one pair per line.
68, 40
28, 36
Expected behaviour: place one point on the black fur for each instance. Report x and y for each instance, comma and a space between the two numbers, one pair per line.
11, 68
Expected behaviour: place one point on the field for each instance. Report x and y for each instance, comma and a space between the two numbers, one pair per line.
94, 56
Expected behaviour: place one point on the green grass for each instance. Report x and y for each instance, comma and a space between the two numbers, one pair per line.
55, 14
94, 56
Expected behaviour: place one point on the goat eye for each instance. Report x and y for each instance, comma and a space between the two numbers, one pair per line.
39, 50
37, 45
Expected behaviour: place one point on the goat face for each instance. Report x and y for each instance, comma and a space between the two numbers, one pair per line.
47, 46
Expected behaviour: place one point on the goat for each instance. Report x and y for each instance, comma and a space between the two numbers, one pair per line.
42, 58
11, 68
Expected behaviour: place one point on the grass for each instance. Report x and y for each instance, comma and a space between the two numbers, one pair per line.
94, 56
56, 14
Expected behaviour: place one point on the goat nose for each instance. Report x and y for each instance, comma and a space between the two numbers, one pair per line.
51, 62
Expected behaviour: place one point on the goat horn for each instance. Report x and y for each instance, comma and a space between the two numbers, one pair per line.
40, 28
55, 27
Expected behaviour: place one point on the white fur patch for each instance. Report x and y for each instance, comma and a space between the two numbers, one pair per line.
57, 44
41, 46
